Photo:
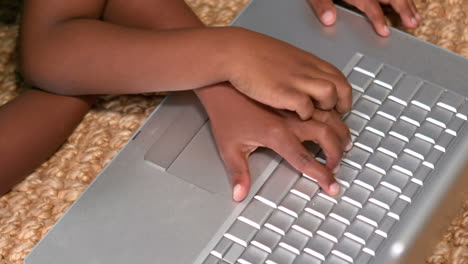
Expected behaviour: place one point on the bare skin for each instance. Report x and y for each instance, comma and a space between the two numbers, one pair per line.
234, 147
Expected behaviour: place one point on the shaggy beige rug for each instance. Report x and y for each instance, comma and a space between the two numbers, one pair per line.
33, 206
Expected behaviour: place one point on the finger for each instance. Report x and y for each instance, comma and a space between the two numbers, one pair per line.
334, 120
296, 101
375, 14
402, 7
290, 148
325, 136
323, 91
415, 10
237, 166
324, 10
327, 88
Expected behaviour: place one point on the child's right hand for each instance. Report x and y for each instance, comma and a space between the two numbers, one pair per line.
282, 76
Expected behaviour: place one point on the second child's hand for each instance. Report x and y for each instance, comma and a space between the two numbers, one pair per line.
326, 12
256, 125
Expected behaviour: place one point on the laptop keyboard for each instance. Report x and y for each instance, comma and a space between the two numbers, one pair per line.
401, 126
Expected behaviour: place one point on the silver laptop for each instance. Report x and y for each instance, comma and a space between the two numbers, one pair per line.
166, 198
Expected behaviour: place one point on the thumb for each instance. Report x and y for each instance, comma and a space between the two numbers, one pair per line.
324, 10
238, 169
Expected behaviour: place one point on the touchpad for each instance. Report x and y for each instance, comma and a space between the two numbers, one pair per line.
200, 164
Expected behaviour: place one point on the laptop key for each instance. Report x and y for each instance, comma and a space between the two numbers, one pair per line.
368, 141
371, 214
359, 81
356, 157
421, 174
429, 132
346, 175
407, 164
395, 180
355, 123
319, 247
376, 93
365, 108
373, 244
355, 94
403, 130
307, 223
241, 233
356, 195
391, 110
397, 209
292, 205
364, 258
368, 178
462, 111
266, 239
344, 212
414, 115
385, 226
347, 249
279, 222
294, 241
275, 188
451, 101
368, 66
379, 125
443, 142
383, 197
440, 116
409, 192
418, 148
222, 248
332, 229
305, 188
405, 89
380, 163
392, 146
454, 126
211, 260
253, 255
307, 259
234, 253
255, 214
359, 231
432, 158
319, 206
427, 96
334, 259
388, 77
281, 256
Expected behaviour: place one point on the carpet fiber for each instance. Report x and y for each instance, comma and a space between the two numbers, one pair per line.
34, 205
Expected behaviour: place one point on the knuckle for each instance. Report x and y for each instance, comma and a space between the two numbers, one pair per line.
303, 161
276, 132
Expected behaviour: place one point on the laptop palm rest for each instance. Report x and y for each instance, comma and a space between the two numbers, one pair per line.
200, 164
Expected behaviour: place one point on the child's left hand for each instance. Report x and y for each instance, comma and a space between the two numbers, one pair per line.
326, 12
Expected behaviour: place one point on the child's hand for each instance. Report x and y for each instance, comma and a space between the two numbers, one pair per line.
284, 77
325, 10
241, 125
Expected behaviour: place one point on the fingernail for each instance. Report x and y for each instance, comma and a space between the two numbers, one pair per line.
336, 169
237, 192
334, 188
413, 21
327, 17
349, 146
386, 30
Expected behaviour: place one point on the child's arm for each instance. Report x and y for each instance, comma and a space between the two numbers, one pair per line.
33, 126
67, 49
325, 10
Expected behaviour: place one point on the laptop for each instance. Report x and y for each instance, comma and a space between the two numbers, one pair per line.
166, 198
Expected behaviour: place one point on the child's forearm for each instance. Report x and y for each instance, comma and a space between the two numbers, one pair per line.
87, 56
32, 127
